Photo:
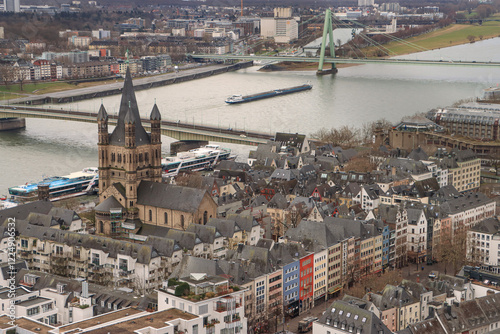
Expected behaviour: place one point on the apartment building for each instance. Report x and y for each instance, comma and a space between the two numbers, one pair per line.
483, 245
209, 297
417, 235
320, 274
28, 304
98, 259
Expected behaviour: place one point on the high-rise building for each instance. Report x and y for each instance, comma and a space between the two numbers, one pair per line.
12, 6
282, 27
366, 3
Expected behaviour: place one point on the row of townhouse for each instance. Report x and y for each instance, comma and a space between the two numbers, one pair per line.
343, 250
480, 315
409, 309
42, 69
418, 230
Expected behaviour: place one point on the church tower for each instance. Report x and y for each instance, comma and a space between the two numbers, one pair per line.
129, 154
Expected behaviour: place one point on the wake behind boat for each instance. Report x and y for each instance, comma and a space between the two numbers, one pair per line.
272, 93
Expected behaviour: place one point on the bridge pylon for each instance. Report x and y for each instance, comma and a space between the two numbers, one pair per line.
327, 30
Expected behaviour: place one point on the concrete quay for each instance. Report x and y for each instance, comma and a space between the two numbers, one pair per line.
7, 124
115, 88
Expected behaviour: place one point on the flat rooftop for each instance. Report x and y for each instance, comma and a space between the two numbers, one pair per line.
33, 326
4, 292
4, 322
154, 320
100, 319
34, 301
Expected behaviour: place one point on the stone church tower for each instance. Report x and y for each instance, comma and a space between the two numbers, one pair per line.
129, 154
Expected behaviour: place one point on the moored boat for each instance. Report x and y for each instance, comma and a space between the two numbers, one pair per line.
77, 183
195, 160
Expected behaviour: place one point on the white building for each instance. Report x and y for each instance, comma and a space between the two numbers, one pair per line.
282, 27
182, 32
417, 235
29, 304
368, 197
483, 245
209, 297
12, 6
101, 34
438, 170
366, 3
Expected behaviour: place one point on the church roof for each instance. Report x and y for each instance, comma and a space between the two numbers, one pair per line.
169, 196
108, 204
127, 103
129, 117
102, 114
155, 114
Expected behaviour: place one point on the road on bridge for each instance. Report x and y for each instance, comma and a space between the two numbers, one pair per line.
167, 126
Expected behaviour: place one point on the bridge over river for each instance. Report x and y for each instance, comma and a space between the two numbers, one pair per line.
173, 129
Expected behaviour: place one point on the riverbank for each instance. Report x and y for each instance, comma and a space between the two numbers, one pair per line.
299, 66
455, 34
452, 35
114, 88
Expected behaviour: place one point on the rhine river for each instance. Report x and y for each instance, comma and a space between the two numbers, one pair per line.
355, 95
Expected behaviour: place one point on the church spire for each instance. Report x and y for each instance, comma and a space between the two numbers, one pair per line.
102, 115
129, 103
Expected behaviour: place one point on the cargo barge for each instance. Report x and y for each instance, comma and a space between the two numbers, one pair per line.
259, 96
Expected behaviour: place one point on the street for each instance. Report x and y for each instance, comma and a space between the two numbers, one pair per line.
412, 272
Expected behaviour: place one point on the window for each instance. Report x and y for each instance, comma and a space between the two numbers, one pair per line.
95, 259
182, 221
150, 215
205, 217
165, 218
202, 309
24, 243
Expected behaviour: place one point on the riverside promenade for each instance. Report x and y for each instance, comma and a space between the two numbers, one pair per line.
114, 88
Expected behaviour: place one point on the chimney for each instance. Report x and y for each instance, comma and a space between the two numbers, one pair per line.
85, 289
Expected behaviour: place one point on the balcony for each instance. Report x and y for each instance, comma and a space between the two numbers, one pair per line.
126, 272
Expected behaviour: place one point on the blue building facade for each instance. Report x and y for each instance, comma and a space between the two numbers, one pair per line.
291, 282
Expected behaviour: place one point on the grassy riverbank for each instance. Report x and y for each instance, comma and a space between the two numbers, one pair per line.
455, 34
14, 90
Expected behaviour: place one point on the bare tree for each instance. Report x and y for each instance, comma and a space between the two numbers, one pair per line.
453, 248
6, 72
361, 164
346, 136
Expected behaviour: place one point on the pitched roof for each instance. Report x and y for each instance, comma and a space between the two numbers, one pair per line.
108, 204
342, 314
169, 196
127, 103
418, 154
155, 114
190, 264
22, 211
102, 114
